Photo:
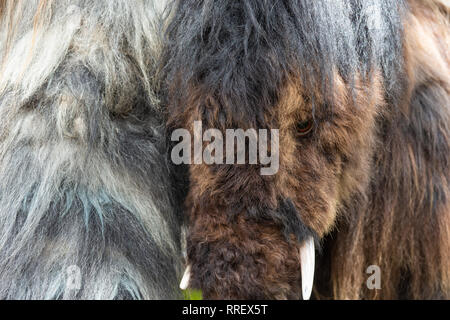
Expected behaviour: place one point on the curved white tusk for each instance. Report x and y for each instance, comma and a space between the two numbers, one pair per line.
184, 284
308, 258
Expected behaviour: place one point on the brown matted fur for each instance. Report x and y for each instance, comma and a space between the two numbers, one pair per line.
406, 227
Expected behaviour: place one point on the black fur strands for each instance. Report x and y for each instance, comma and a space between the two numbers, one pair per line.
244, 51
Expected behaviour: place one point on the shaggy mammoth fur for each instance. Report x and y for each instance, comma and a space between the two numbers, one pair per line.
371, 181
85, 183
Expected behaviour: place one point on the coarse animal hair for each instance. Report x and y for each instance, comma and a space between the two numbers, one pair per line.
85, 181
370, 183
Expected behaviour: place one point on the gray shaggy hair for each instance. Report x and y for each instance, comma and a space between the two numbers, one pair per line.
85, 184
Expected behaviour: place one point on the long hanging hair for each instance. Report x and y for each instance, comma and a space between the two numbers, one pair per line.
369, 179
87, 205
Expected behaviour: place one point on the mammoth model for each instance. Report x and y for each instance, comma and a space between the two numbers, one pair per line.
360, 93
